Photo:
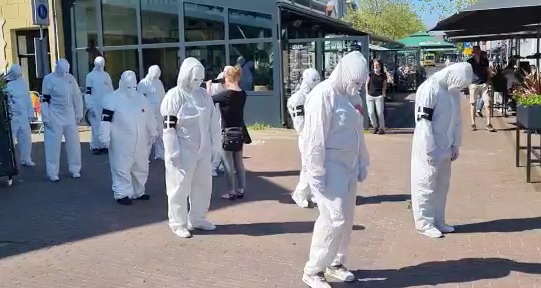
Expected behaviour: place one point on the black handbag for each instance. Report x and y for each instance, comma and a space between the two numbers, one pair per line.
233, 139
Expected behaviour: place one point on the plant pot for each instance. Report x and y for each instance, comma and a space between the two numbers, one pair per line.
529, 117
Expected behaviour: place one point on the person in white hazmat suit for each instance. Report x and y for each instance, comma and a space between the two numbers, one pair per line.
295, 106
336, 160
98, 84
191, 135
436, 141
128, 130
152, 87
22, 113
61, 112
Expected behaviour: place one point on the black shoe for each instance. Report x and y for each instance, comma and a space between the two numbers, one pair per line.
96, 151
104, 151
375, 131
490, 128
124, 201
143, 197
381, 131
479, 113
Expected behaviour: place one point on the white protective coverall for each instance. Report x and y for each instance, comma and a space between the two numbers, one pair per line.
436, 142
98, 84
191, 135
22, 113
61, 112
128, 129
336, 159
152, 87
295, 106
213, 89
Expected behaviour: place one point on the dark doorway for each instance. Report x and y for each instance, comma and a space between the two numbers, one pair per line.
26, 54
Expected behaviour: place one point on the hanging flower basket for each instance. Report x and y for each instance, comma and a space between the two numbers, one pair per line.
528, 97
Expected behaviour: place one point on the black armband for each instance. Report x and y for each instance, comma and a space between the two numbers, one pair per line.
425, 113
299, 111
89, 90
170, 122
107, 115
46, 98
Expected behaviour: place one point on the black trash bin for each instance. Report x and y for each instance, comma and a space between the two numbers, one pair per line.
8, 164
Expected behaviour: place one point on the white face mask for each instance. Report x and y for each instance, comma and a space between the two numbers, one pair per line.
353, 87
198, 76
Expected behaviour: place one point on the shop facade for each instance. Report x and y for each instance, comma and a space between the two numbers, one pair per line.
273, 40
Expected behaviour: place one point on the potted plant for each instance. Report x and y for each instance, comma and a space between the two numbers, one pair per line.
528, 96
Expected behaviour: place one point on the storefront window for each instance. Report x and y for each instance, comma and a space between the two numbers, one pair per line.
119, 22
159, 22
167, 59
212, 57
203, 22
249, 25
84, 19
118, 61
81, 66
256, 62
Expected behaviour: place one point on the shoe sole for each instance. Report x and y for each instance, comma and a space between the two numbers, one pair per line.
335, 276
306, 282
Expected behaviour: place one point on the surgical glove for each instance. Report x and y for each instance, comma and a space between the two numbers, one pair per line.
363, 172
454, 153
105, 145
78, 120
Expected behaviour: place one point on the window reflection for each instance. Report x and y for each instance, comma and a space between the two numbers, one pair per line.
249, 25
82, 66
118, 61
84, 16
203, 22
256, 63
159, 22
119, 22
212, 58
167, 59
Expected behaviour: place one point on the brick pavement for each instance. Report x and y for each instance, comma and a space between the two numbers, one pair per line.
72, 233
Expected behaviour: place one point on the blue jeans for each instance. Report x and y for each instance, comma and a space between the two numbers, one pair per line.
480, 104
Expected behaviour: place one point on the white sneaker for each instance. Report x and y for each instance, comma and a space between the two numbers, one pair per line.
54, 178
183, 233
303, 203
28, 163
316, 281
446, 228
432, 232
205, 226
341, 273
76, 175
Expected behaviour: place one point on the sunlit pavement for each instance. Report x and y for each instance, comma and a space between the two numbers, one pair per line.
73, 234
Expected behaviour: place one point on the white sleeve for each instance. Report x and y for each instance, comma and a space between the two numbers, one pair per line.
88, 92
457, 139
109, 103
77, 98
425, 103
317, 124
150, 119
215, 128
169, 110
45, 100
111, 89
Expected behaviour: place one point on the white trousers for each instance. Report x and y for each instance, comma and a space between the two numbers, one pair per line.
129, 172
95, 122
22, 134
375, 107
429, 188
302, 191
333, 227
192, 180
53, 143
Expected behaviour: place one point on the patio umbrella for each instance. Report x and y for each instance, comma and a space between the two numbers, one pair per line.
493, 14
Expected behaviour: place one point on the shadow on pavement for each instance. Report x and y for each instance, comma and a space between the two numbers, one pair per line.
265, 229
501, 226
378, 199
444, 272
400, 114
36, 213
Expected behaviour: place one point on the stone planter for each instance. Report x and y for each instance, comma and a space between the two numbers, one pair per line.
529, 117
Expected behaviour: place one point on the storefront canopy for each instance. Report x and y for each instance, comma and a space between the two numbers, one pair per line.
425, 41
493, 14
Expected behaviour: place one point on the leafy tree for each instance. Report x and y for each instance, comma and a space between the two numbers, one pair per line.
391, 18
445, 7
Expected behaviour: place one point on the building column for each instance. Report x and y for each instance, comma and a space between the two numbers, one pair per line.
56, 31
